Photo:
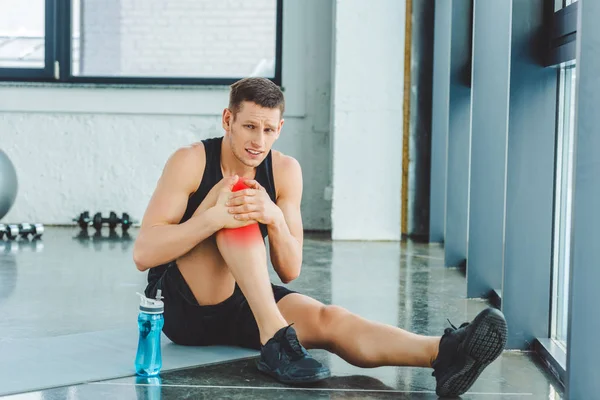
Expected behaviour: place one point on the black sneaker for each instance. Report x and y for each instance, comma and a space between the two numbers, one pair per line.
284, 358
465, 352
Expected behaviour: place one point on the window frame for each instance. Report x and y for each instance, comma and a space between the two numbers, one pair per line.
561, 55
563, 206
58, 57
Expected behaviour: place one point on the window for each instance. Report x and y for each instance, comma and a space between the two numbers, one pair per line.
22, 34
24, 50
140, 41
558, 4
563, 204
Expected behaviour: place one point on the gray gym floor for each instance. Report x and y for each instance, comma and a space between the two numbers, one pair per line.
92, 282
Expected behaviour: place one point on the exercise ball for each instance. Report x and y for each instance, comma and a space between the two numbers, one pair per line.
8, 184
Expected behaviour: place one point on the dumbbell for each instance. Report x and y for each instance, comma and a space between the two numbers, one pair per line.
35, 230
84, 220
112, 221
11, 231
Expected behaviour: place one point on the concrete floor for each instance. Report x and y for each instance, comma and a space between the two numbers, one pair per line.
92, 280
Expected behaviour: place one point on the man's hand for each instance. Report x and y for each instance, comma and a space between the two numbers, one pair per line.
220, 211
254, 204
210, 200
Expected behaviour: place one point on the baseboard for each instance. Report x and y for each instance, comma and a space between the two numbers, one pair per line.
553, 356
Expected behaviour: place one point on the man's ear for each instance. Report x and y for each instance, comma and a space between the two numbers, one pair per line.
227, 119
280, 126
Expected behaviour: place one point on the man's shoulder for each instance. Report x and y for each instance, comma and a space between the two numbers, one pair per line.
190, 159
285, 163
287, 172
193, 153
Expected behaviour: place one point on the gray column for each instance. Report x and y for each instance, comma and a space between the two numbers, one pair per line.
419, 168
459, 135
489, 133
439, 119
530, 178
583, 381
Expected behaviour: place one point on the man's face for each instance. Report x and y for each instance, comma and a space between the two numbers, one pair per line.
252, 133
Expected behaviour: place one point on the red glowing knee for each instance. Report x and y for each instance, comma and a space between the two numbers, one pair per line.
246, 234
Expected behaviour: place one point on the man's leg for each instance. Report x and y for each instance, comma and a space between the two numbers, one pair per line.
213, 268
216, 267
282, 355
247, 262
357, 340
458, 357
233, 255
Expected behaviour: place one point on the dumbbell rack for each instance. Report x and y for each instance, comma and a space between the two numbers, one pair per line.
97, 221
23, 230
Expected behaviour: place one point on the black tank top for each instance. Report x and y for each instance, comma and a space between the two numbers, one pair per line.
212, 176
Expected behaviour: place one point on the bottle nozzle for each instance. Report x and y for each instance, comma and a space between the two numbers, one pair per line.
142, 297
151, 305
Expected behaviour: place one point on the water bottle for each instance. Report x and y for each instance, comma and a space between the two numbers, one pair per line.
148, 361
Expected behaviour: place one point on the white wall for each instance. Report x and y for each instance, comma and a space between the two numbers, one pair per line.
103, 148
368, 72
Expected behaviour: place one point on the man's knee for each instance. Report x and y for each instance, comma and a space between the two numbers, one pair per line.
329, 317
243, 236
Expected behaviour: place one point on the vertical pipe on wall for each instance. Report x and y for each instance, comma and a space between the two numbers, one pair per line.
406, 116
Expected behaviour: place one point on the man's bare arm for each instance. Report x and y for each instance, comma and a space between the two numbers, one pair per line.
161, 238
286, 234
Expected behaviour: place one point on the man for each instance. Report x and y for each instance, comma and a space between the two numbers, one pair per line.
202, 241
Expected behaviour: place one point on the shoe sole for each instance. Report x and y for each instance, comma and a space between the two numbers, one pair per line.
482, 346
262, 367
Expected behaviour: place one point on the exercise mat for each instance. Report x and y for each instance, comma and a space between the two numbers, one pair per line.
41, 363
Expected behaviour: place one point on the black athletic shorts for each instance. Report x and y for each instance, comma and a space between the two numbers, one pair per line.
187, 323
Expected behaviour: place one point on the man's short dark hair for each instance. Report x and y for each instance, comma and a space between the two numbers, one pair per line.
260, 91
